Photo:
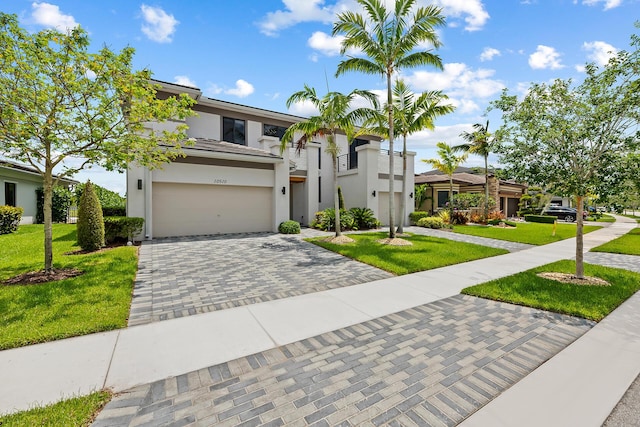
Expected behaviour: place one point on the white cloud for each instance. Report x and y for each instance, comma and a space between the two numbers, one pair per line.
458, 80
608, 4
303, 108
599, 52
475, 15
49, 15
159, 25
545, 57
242, 89
328, 45
488, 53
296, 11
464, 106
184, 81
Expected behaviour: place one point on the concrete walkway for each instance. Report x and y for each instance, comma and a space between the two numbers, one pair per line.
143, 354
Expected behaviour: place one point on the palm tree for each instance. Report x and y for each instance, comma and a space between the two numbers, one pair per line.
389, 42
411, 116
447, 163
479, 142
335, 115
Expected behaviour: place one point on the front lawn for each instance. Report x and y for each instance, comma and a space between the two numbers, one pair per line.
78, 411
602, 218
629, 244
525, 232
95, 301
425, 253
590, 302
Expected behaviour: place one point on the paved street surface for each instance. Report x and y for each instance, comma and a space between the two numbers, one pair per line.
430, 365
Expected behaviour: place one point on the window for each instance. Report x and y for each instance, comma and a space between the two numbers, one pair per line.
9, 193
273, 130
443, 197
233, 131
353, 154
319, 189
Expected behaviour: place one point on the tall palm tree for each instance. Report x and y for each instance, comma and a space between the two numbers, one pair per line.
389, 42
412, 115
479, 142
447, 163
335, 115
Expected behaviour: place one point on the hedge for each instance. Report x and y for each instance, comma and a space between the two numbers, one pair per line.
289, 227
114, 211
61, 199
545, 219
9, 218
416, 215
122, 228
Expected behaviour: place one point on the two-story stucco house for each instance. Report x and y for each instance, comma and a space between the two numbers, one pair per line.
236, 179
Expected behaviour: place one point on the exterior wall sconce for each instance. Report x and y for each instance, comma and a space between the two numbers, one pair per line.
373, 193
411, 195
284, 190
139, 184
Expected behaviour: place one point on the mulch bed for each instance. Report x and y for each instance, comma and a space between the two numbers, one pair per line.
38, 277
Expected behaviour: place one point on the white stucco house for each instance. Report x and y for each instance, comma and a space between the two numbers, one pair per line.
235, 178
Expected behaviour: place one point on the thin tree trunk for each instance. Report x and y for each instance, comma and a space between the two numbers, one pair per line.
403, 202
336, 199
392, 230
486, 188
450, 194
47, 208
579, 240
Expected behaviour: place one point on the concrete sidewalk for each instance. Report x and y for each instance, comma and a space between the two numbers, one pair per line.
125, 358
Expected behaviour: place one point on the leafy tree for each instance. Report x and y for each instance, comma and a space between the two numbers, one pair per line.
60, 203
335, 115
107, 197
59, 102
479, 142
420, 195
390, 41
90, 223
447, 163
573, 139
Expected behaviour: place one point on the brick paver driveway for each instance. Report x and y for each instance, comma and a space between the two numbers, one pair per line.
430, 365
184, 276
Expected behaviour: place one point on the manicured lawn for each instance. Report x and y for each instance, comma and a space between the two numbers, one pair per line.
79, 411
425, 253
96, 301
526, 232
629, 244
603, 218
590, 302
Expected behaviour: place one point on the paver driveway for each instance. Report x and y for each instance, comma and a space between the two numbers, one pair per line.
185, 276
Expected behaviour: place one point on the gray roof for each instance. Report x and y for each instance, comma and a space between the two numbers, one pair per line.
210, 145
458, 178
28, 169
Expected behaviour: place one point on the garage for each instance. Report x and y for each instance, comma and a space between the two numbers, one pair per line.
181, 209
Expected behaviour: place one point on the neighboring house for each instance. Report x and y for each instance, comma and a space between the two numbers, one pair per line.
18, 184
234, 179
468, 180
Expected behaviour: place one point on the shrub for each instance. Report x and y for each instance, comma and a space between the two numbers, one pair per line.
340, 199
114, 211
90, 223
60, 202
495, 215
545, 219
431, 222
478, 219
503, 221
467, 200
459, 217
121, 228
289, 227
326, 220
10, 219
364, 218
445, 215
112, 203
416, 215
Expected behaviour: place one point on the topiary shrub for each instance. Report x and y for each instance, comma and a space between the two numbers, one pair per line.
10, 218
501, 221
289, 227
90, 222
364, 218
416, 215
121, 228
545, 219
431, 222
326, 220
60, 201
458, 217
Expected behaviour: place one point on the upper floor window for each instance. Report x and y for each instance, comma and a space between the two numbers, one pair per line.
273, 130
233, 130
353, 154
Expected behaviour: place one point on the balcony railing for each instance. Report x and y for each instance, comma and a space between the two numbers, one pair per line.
347, 162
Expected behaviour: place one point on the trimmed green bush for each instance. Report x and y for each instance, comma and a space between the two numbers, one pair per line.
431, 222
114, 211
416, 215
364, 218
90, 222
544, 219
121, 228
289, 227
497, 221
10, 218
326, 220
60, 201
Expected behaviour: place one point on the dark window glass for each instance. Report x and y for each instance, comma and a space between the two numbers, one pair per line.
353, 154
9, 194
319, 189
443, 198
233, 131
273, 130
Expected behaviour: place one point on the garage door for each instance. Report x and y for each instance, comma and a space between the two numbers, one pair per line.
383, 207
193, 209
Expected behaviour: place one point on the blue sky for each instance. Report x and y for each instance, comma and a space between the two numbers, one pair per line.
259, 52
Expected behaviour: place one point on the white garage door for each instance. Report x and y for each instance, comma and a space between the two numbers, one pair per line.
383, 207
193, 209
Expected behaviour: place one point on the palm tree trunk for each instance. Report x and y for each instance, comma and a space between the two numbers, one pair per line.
392, 231
486, 188
336, 199
403, 201
579, 240
451, 193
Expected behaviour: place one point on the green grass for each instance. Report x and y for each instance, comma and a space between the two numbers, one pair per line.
603, 218
590, 302
425, 253
96, 301
526, 232
78, 411
629, 244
